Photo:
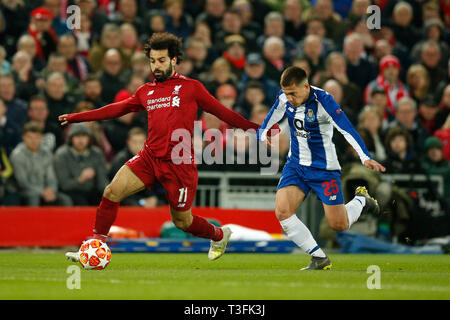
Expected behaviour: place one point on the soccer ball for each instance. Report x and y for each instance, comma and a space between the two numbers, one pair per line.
94, 254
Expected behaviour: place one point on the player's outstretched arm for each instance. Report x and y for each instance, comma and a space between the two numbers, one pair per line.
276, 113
341, 122
210, 104
110, 111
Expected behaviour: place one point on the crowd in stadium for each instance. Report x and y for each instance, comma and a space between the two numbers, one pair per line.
392, 82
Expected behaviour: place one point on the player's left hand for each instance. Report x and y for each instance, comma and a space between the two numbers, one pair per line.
372, 164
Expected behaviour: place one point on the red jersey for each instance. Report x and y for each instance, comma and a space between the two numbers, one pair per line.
170, 105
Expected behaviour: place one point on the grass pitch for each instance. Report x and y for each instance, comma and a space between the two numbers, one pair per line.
43, 275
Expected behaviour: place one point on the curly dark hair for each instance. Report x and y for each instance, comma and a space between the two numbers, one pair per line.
162, 41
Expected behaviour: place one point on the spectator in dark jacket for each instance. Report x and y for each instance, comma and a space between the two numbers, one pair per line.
295, 26
400, 155
404, 31
255, 70
9, 131
34, 171
407, 118
92, 91
111, 76
38, 113
17, 108
59, 102
81, 167
430, 57
178, 22
434, 163
359, 70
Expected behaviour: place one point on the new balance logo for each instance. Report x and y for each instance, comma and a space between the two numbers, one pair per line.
333, 197
181, 205
150, 92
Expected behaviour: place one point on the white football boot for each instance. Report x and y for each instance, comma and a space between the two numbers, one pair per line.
217, 248
73, 256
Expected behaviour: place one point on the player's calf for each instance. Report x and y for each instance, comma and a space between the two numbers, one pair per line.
182, 223
336, 216
339, 225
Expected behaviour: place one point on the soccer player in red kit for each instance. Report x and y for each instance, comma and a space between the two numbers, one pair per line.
171, 102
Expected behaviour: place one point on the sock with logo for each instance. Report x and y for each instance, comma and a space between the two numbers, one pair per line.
201, 228
354, 209
301, 236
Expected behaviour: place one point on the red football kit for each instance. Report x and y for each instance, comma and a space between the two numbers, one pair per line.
171, 105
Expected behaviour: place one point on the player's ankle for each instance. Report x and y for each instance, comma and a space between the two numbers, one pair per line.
100, 237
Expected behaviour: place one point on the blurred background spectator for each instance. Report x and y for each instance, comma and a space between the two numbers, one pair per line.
81, 167
34, 171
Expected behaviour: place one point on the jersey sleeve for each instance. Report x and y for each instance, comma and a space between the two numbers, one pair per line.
344, 126
210, 104
110, 111
275, 114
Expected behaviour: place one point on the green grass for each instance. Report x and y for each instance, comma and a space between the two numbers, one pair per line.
42, 275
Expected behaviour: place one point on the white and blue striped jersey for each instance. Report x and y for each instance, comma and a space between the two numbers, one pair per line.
311, 129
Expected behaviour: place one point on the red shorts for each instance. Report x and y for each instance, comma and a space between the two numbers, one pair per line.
179, 180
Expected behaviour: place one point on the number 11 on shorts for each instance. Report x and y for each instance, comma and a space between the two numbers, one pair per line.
183, 194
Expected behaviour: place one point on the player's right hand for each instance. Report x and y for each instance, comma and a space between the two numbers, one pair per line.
63, 119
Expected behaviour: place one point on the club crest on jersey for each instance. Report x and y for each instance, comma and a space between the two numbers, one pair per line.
176, 89
175, 102
310, 116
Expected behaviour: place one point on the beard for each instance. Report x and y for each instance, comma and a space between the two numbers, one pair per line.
164, 75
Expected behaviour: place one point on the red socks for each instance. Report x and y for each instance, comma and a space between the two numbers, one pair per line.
201, 228
106, 214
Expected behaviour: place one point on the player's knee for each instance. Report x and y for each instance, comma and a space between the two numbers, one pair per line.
112, 193
282, 213
338, 225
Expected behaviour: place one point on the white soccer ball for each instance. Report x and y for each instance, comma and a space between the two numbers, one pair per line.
94, 254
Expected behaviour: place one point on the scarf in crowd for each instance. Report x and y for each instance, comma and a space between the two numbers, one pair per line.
36, 35
78, 68
237, 63
401, 92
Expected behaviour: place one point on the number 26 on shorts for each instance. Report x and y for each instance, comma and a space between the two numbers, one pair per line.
330, 187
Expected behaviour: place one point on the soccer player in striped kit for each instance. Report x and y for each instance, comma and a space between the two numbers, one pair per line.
312, 114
